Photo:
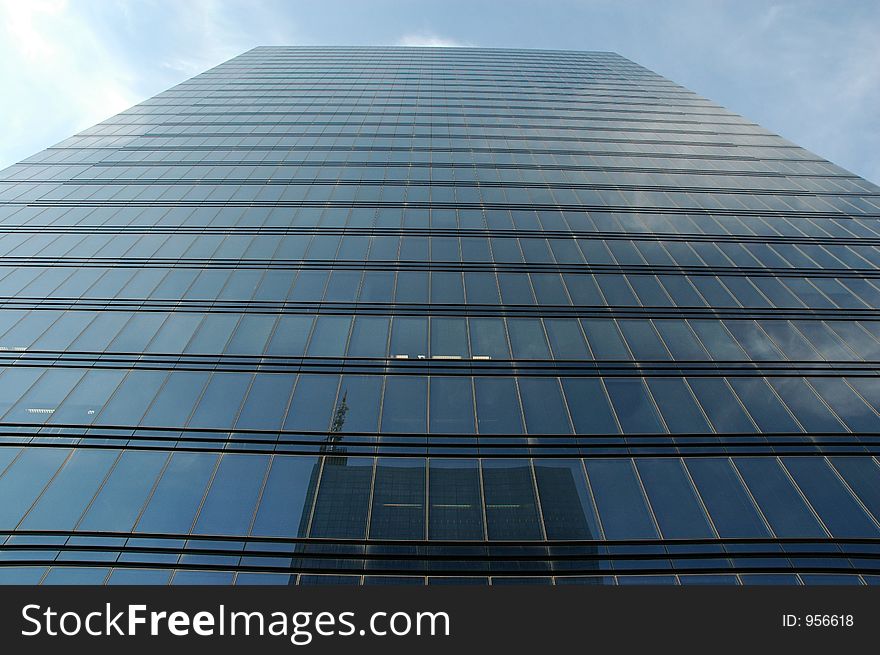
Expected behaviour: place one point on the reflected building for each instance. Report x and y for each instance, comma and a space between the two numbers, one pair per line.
432, 316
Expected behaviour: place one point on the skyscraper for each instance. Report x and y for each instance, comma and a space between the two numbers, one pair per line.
396, 315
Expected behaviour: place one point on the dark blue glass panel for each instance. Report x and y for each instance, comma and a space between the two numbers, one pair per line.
449, 337
343, 500
566, 504
847, 404
678, 406
218, 406
452, 405
671, 494
729, 504
620, 499
527, 340
66, 498
489, 338
810, 412
863, 476
173, 505
511, 508
721, 406
566, 339
763, 405
176, 399
605, 340
24, 479
123, 496
834, 503
369, 337
229, 506
139, 577
643, 339
456, 506
544, 409
634, 408
290, 336
779, 500
88, 397
497, 406
266, 402
404, 405
588, 404
398, 499
313, 401
63, 575
287, 498
329, 336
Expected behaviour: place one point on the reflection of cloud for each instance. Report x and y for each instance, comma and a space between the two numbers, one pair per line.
426, 39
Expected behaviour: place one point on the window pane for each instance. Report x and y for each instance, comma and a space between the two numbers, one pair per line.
24, 480
511, 510
620, 499
527, 339
124, 494
732, 510
369, 337
343, 498
497, 406
833, 502
763, 405
404, 407
778, 499
566, 339
173, 506
176, 399
219, 404
65, 499
266, 402
489, 338
565, 501
678, 406
634, 408
589, 406
313, 403
229, 507
132, 398
672, 497
863, 476
544, 409
286, 503
449, 337
399, 499
329, 336
452, 405
720, 405
456, 510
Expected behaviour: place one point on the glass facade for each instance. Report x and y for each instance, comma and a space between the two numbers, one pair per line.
426, 316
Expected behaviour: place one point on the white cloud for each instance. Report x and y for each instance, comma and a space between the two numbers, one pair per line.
428, 40
66, 66
58, 77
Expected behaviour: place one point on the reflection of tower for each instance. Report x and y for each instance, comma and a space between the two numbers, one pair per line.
565, 508
329, 447
333, 437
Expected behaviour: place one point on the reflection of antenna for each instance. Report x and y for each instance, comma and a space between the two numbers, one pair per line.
339, 414
335, 428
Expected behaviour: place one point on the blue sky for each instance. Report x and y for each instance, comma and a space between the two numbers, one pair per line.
808, 70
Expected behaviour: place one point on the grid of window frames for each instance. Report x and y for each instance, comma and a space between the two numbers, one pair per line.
433, 316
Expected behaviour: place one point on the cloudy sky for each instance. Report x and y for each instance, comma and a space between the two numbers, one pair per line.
808, 70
